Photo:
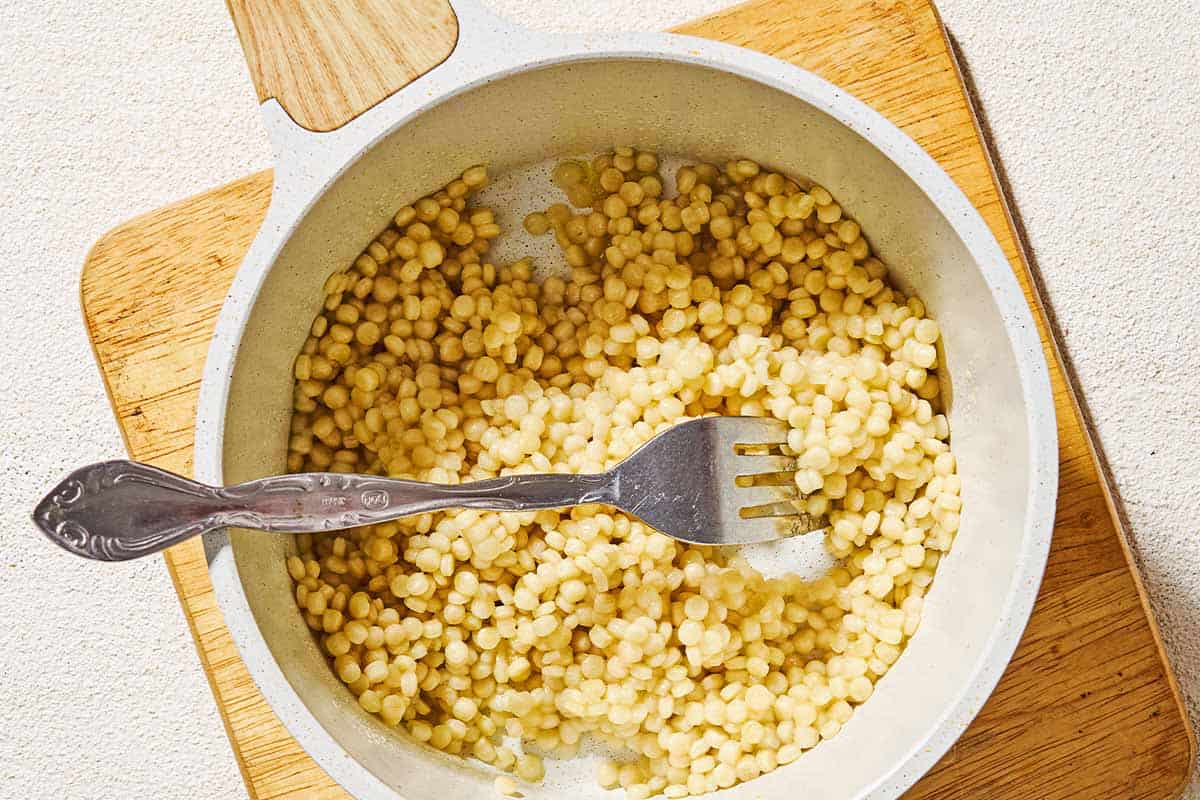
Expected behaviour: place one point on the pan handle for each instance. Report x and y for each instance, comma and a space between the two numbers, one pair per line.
327, 61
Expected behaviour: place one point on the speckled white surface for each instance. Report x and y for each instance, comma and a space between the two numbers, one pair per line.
1093, 108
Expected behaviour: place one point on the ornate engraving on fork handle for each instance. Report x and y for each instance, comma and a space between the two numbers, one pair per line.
90, 512
303, 501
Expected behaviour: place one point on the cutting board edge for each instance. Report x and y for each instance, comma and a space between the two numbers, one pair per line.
108, 237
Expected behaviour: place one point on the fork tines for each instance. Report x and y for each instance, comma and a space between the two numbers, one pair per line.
765, 492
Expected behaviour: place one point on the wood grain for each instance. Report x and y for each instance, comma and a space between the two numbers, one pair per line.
327, 62
1088, 707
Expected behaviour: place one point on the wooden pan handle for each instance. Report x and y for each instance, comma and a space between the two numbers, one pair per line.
327, 61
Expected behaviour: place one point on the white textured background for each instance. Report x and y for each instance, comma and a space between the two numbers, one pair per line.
108, 114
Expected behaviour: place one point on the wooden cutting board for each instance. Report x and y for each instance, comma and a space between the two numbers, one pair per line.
1088, 707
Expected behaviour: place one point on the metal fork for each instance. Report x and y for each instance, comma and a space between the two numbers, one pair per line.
707, 481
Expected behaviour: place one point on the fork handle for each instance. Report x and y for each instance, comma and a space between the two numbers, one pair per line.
118, 510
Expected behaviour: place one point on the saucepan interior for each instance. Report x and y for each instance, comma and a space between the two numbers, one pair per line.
935, 247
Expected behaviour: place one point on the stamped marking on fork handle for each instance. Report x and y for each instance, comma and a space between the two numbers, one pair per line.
375, 499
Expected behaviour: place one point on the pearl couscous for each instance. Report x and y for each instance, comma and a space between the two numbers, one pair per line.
499, 636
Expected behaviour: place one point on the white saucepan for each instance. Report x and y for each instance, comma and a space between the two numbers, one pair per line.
508, 98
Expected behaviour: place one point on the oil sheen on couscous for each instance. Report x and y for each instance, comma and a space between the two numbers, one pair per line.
499, 636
